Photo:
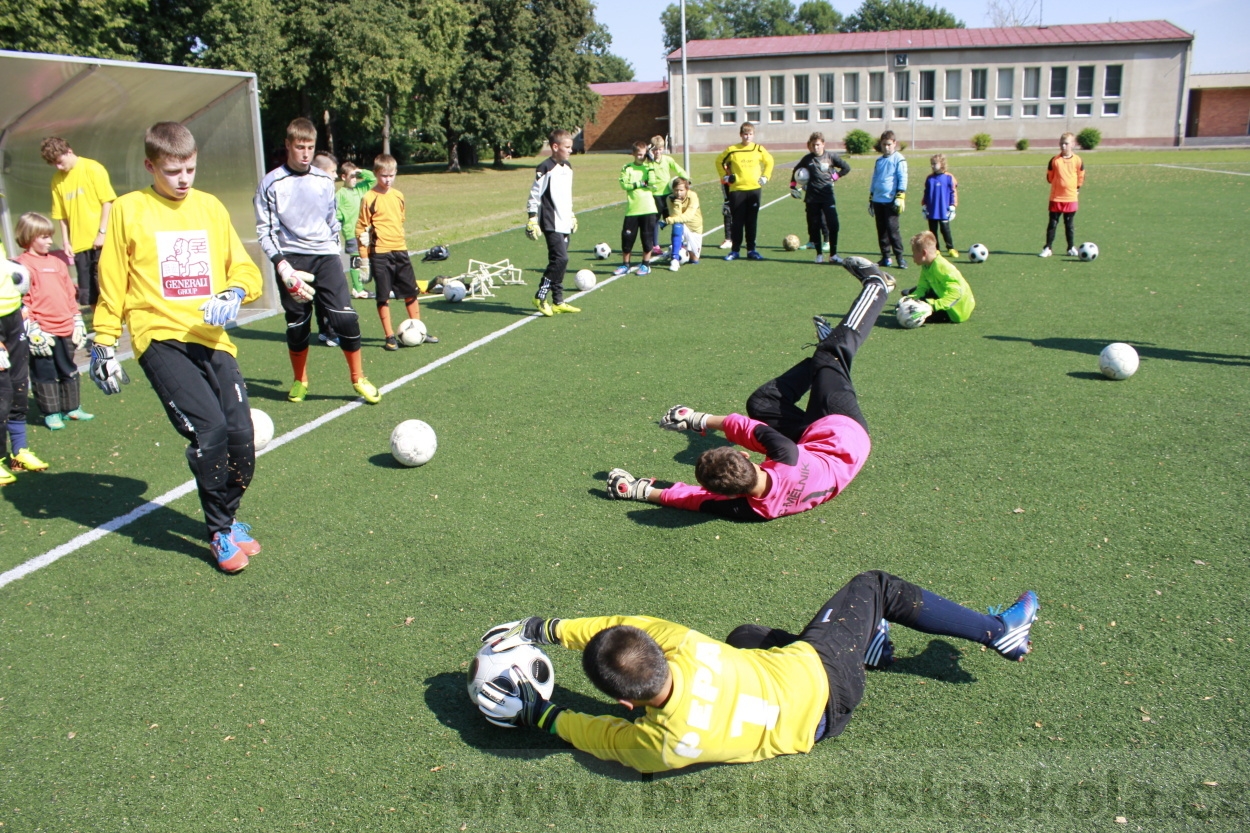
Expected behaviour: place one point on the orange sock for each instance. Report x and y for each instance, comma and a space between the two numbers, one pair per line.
384, 313
414, 307
354, 365
299, 365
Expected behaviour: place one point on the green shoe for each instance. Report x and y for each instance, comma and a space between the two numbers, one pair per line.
54, 422
26, 459
298, 391
6, 476
559, 308
79, 415
543, 306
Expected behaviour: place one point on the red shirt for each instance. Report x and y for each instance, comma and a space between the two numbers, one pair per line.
53, 298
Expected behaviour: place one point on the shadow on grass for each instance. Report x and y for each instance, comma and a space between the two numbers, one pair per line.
1147, 350
92, 499
269, 390
938, 661
385, 461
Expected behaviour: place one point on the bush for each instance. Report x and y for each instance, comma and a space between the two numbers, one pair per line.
1023, 144
1089, 138
982, 141
902, 146
858, 142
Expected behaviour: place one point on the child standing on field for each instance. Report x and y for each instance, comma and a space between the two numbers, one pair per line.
380, 232
640, 180
51, 308
941, 197
744, 169
822, 168
888, 198
687, 222
1066, 175
667, 169
550, 209
14, 372
82, 197
356, 183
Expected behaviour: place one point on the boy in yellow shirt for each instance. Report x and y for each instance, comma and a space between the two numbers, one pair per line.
82, 197
380, 232
174, 271
745, 169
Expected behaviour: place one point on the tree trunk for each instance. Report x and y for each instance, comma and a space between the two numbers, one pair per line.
453, 153
386, 128
498, 156
329, 131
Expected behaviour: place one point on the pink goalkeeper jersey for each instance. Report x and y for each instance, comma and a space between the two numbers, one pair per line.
804, 475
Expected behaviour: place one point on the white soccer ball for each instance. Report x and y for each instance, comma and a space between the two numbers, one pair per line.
912, 313
801, 176
685, 255
413, 443
977, 253
791, 243
502, 667
1118, 361
603, 251
411, 332
1087, 251
585, 279
262, 429
454, 290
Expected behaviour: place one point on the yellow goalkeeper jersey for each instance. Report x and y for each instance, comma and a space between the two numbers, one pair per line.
727, 706
161, 260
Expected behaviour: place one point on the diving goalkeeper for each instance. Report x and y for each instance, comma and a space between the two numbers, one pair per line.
811, 454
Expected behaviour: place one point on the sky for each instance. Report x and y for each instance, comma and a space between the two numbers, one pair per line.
1219, 26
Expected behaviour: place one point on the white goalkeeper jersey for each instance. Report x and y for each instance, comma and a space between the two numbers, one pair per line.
295, 213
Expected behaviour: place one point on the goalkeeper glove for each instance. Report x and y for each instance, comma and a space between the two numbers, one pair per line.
223, 307
80, 331
833, 177
872, 211
574, 230
40, 342
681, 418
624, 486
534, 630
728, 179
298, 283
900, 202
5, 364
106, 371
952, 217
532, 231
518, 705
763, 181
796, 192
365, 238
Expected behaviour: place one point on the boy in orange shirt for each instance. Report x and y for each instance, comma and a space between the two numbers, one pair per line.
1066, 175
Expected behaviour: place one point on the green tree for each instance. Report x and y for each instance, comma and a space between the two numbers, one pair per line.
817, 17
101, 29
716, 19
604, 65
563, 68
890, 15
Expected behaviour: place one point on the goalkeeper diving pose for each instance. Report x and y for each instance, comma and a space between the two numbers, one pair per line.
812, 454
761, 693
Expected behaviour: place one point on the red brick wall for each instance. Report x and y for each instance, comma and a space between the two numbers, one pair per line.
624, 119
1220, 112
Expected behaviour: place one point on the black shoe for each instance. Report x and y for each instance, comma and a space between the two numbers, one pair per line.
902, 264
392, 343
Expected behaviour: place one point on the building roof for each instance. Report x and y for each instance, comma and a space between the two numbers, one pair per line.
929, 39
630, 87
1212, 80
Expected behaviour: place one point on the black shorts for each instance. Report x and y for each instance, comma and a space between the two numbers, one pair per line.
392, 271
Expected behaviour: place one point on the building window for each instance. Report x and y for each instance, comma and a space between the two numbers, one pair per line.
1111, 108
1006, 83
1084, 108
825, 114
850, 114
705, 92
802, 91
901, 113
753, 116
925, 113
1002, 111
951, 111
876, 113
1032, 82
1029, 111
976, 111
1084, 82
928, 85
705, 118
729, 117
1056, 110
902, 86
776, 116
776, 90
1058, 82
729, 92
850, 88
1111, 84
800, 115
876, 86
826, 88
954, 86
980, 80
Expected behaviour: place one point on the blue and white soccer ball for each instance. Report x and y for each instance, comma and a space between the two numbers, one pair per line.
1087, 251
413, 443
977, 253
603, 251
502, 668
1118, 361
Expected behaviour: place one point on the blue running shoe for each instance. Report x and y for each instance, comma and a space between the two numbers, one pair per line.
644, 269
880, 651
732, 256
240, 534
230, 559
623, 269
1017, 620
822, 332
754, 255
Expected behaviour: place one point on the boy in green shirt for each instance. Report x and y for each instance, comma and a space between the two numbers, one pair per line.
941, 286
640, 181
356, 183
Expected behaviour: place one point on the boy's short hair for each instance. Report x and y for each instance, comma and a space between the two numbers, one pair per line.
301, 130
887, 136
53, 148
558, 135
725, 470
746, 125
938, 159
347, 169
679, 180
925, 240
1071, 136
641, 145
30, 225
384, 163
326, 161
168, 140
816, 137
658, 140
625, 663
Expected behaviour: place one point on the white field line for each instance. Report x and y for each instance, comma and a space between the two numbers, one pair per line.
1204, 170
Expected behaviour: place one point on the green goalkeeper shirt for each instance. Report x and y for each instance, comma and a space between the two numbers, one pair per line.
943, 288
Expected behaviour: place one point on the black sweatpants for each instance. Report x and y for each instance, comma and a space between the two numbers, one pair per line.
55, 378
888, 236
817, 213
827, 374
557, 263
87, 264
634, 225
205, 399
745, 207
945, 227
14, 382
333, 301
1069, 229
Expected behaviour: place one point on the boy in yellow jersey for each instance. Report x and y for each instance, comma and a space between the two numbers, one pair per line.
380, 232
82, 197
762, 692
744, 169
174, 271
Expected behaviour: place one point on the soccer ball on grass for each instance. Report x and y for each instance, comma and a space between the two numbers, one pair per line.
585, 280
502, 668
1118, 361
792, 243
411, 332
977, 253
603, 251
413, 443
454, 290
912, 313
262, 429
1087, 251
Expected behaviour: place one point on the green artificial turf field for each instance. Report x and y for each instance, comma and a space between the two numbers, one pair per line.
323, 687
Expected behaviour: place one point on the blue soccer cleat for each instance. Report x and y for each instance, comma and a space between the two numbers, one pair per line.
880, 651
1017, 620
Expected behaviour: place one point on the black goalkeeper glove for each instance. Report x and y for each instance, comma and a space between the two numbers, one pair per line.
534, 630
